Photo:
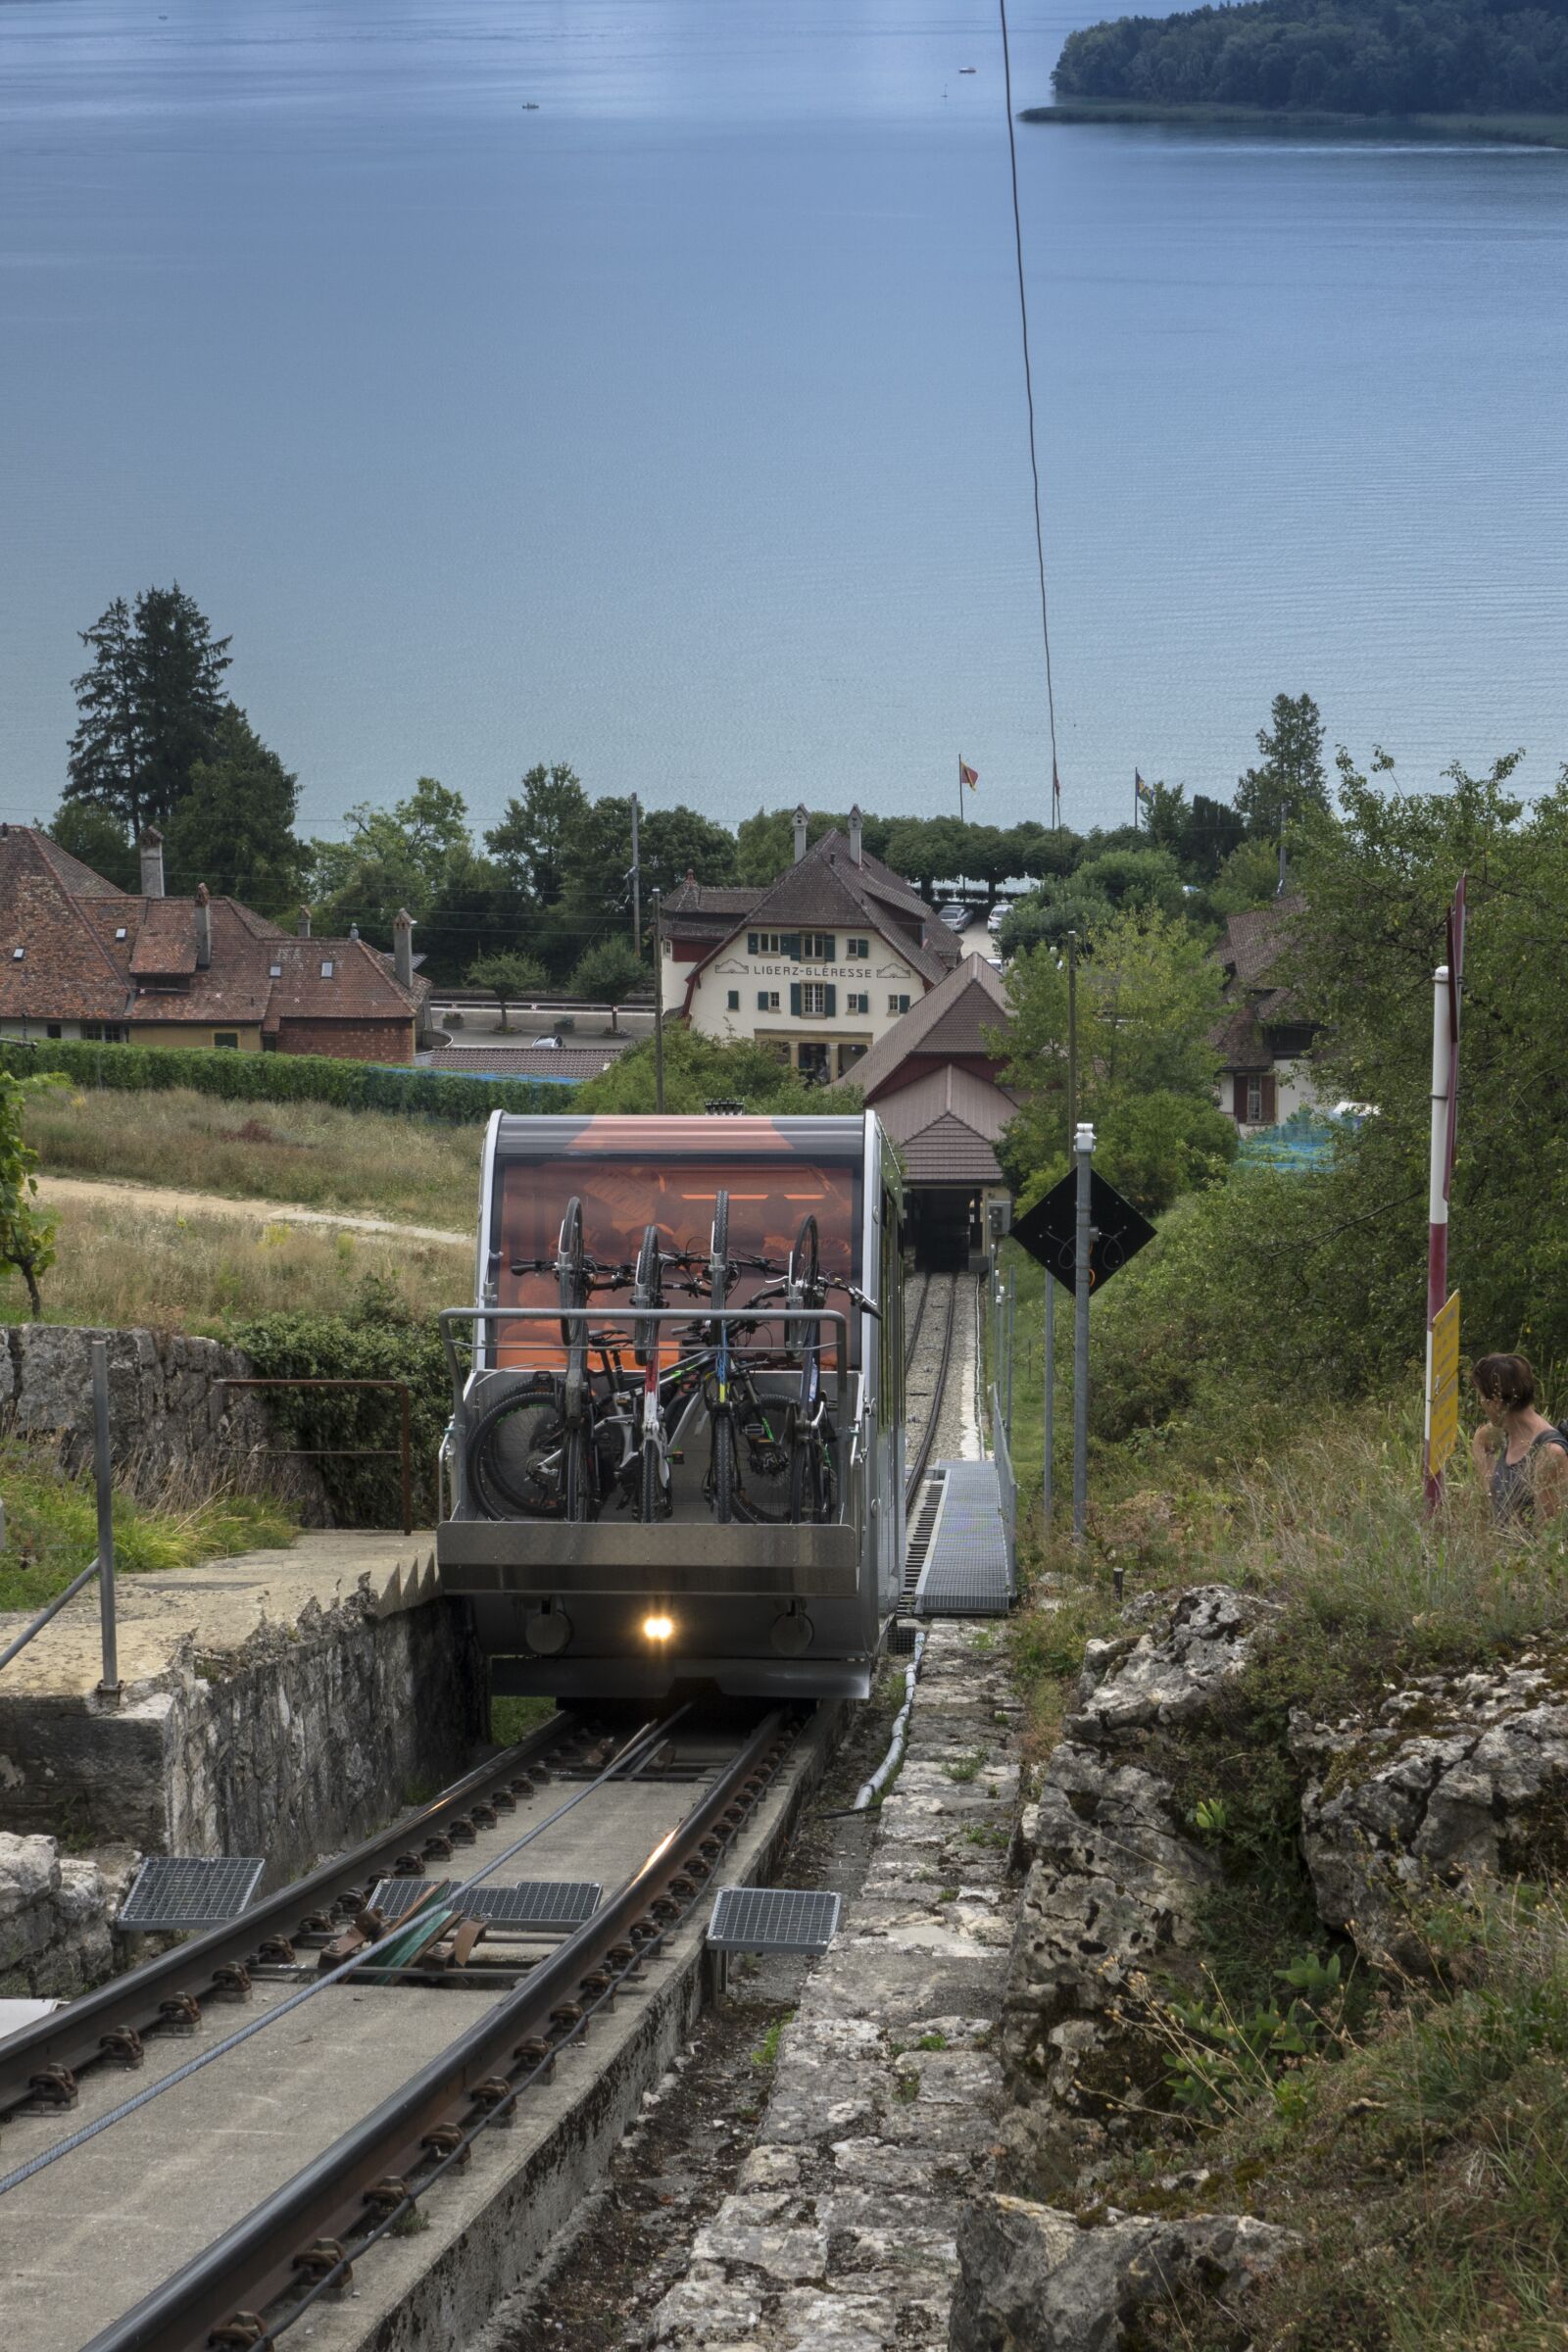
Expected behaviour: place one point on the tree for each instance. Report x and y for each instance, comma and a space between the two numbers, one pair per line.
1048, 914
764, 843
148, 707
533, 842
417, 854
698, 1071
1149, 999
1248, 877
101, 842
678, 841
1133, 879
1291, 781
609, 970
926, 849
234, 827
509, 974
26, 1235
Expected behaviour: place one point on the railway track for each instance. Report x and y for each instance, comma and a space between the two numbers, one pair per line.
933, 1366
426, 2071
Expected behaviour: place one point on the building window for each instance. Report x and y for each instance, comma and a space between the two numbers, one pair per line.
327, 967
16, 954
103, 1032
848, 1056
275, 971
120, 933
1254, 1102
856, 1001
898, 1003
813, 999
771, 943
226, 1039
857, 947
819, 946
55, 1030
768, 1000
734, 1000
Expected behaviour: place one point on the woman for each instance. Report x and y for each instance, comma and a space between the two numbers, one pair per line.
1518, 1454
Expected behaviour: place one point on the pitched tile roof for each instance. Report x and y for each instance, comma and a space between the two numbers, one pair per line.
93, 953
945, 1125
953, 1018
1254, 940
826, 888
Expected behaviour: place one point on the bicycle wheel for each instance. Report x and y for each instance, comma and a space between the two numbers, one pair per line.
572, 1275
653, 1492
724, 1470
647, 1291
718, 1255
580, 1485
515, 1459
806, 1266
810, 1483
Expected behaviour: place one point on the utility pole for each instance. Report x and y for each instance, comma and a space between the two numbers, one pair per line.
659, 1009
1051, 1393
636, 886
1072, 1031
1084, 1147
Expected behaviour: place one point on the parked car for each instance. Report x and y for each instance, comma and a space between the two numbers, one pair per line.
553, 1042
997, 916
953, 915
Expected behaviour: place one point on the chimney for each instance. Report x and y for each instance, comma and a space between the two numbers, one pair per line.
152, 864
403, 947
302, 927
854, 834
204, 927
801, 821
353, 930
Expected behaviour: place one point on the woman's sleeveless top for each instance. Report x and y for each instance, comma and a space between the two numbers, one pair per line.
1512, 1496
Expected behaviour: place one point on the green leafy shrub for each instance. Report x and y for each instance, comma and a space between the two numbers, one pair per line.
285, 1078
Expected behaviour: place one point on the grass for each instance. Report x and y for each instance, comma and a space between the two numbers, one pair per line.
119, 1265
311, 1153
512, 1719
52, 1528
765, 2054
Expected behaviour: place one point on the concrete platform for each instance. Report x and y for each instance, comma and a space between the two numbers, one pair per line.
224, 1669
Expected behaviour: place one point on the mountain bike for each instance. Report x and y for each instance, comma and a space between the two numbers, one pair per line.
659, 1416
809, 1434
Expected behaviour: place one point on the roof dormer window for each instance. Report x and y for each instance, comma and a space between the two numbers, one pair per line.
16, 954
327, 967
120, 933
275, 971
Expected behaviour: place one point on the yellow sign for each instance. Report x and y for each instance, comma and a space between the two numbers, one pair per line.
1444, 1401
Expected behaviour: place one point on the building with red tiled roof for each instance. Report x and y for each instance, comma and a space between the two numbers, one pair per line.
81, 959
935, 1083
1264, 1038
819, 965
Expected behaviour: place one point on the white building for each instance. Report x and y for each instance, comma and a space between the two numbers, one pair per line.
817, 967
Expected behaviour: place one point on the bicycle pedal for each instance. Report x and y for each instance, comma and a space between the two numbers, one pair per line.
674, 1457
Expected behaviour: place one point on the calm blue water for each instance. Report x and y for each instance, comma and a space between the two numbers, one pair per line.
676, 428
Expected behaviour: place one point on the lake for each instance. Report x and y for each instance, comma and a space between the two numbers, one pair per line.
675, 428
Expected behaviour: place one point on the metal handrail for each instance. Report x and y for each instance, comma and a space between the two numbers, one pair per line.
450, 1316
101, 1565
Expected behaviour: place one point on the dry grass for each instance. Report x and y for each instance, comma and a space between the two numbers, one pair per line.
309, 1153
117, 1266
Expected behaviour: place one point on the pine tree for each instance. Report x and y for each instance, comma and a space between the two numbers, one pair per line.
234, 828
1292, 781
148, 707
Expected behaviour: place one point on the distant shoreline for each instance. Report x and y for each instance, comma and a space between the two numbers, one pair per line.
1512, 130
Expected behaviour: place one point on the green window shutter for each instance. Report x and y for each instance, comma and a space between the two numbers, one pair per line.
795, 999
831, 999
792, 945
762, 1000
734, 1000
830, 950
750, 943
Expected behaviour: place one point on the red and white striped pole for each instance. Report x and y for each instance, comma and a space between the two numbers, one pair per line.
1442, 1044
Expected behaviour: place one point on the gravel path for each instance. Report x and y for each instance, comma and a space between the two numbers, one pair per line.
90, 1192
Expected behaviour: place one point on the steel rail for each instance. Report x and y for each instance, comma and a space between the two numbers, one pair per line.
912, 1338
39, 2064
302, 2241
928, 1434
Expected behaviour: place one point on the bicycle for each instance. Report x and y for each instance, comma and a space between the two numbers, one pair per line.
809, 1431
654, 1430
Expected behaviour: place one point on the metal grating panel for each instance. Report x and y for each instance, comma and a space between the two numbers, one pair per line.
902, 1639
772, 1919
529, 1903
179, 1891
968, 1572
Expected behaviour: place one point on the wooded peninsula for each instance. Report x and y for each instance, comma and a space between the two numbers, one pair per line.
1307, 58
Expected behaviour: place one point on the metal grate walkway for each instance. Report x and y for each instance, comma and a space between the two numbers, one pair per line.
968, 1566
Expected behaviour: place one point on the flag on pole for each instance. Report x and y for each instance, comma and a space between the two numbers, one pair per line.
967, 774
1145, 791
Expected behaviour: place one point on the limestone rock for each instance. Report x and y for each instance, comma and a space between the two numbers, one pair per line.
1455, 1783
1033, 2281
1172, 1673
30, 1872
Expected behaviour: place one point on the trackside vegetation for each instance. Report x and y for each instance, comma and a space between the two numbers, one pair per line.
283, 1078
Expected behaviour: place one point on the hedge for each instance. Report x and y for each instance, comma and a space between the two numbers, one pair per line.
372, 1342
287, 1078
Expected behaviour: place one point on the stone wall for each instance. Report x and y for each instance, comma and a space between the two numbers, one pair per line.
303, 1740
168, 1414
54, 1920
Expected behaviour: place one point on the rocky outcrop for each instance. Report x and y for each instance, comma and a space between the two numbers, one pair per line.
1036, 2280
1113, 1883
170, 1412
54, 1920
1457, 1781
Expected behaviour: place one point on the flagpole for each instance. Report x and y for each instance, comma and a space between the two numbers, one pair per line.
1135, 800
961, 788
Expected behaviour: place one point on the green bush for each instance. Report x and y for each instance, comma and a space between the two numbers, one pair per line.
374, 1341
286, 1078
